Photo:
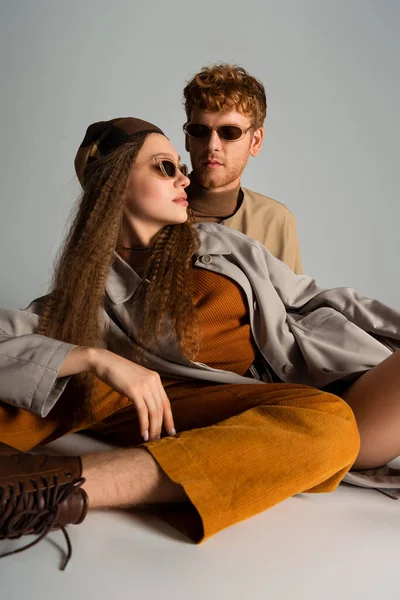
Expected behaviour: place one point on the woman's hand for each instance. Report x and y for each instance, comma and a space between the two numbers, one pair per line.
140, 385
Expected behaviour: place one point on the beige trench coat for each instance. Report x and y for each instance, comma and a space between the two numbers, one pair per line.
308, 335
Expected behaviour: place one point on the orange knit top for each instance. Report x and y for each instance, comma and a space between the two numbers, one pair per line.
222, 309
221, 305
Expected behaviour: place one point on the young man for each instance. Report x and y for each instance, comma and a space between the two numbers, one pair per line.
226, 108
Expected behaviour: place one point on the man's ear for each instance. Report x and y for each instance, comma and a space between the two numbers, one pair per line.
187, 143
257, 141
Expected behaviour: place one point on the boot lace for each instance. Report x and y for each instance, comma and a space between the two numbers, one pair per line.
35, 512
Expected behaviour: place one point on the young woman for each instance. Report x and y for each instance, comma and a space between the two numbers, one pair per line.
195, 347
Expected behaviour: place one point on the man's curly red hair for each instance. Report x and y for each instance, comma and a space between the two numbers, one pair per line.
224, 86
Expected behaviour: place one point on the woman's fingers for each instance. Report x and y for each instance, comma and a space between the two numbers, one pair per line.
165, 411
169, 424
143, 416
155, 416
159, 408
159, 414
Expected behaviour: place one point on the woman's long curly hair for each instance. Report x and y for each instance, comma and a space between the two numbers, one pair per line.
73, 311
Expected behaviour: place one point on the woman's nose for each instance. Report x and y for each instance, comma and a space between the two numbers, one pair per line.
182, 180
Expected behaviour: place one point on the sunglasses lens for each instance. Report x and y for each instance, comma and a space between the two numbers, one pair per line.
184, 170
230, 132
197, 130
169, 168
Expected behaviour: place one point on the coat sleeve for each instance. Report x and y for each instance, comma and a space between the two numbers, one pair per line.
301, 293
29, 363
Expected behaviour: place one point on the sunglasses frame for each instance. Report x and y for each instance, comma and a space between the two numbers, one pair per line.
159, 163
211, 129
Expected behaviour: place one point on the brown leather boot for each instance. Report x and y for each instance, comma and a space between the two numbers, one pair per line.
38, 494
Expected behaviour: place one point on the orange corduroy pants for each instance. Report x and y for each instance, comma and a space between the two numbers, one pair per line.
239, 449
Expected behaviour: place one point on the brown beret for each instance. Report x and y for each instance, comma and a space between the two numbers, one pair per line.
105, 136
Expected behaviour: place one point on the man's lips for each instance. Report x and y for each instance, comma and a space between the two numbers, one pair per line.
212, 163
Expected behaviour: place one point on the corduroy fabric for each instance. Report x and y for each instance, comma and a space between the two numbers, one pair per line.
259, 447
239, 450
23, 430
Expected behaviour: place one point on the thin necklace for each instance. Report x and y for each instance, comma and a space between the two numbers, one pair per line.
132, 248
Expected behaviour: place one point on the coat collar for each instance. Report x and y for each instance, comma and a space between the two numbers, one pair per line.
122, 281
210, 242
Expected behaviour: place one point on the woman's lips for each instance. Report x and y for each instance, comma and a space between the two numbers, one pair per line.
181, 200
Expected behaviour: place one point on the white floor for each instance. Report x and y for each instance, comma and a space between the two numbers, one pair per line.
328, 546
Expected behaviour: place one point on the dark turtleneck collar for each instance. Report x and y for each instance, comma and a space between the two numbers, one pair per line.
136, 257
210, 206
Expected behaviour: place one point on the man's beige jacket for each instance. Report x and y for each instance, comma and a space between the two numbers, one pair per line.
307, 334
271, 223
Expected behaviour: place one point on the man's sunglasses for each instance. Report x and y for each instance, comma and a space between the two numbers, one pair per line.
228, 133
168, 168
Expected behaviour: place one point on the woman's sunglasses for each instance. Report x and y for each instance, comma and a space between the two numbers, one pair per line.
168, 168
228, 133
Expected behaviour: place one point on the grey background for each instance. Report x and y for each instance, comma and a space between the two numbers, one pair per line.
331, 70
